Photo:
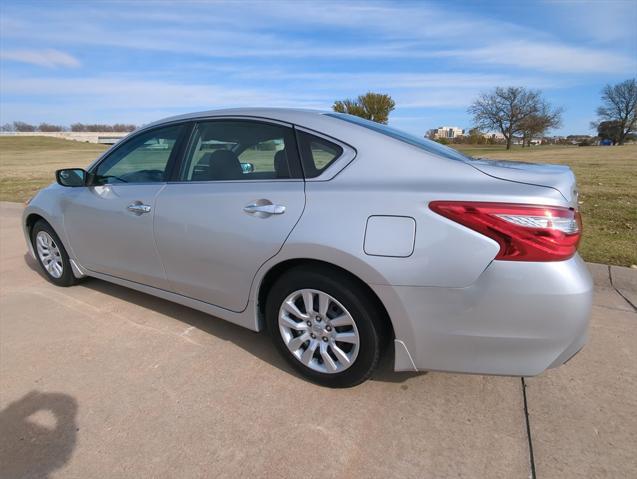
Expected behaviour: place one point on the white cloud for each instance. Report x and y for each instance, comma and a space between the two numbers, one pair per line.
49, 58
610, 22
356, 30
335, 81
153, 59
138, 100
553, 57
129, 93
303, 89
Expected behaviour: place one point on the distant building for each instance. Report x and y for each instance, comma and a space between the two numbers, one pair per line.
494, 136
448, 132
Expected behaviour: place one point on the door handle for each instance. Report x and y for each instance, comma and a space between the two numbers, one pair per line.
263, 210
138, 208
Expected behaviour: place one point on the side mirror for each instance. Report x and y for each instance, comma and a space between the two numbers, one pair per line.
247, 167
71, 177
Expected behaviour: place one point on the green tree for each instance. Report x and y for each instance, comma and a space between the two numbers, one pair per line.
619, 104
476, 137
371, 106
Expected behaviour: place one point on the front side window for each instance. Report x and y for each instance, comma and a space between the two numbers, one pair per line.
227, 150
142, 159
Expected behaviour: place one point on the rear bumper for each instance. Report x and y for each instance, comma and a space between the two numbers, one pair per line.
517, 319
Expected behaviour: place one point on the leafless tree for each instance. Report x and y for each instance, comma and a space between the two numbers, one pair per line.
507, 109
619, 104
22, 126
371, 106
536, 125
47, 127
120, 127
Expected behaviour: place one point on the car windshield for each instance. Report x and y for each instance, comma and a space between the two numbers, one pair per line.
422, 143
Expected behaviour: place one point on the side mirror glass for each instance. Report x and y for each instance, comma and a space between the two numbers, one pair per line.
247, 167
71, 177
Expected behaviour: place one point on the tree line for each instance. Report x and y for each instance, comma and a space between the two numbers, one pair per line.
21, 126
511, 111
519, 112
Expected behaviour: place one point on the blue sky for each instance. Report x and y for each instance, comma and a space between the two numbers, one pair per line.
135, 62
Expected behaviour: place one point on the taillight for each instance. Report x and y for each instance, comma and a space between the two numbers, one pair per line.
524, 232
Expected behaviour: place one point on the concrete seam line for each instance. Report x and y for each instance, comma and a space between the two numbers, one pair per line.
610, 277
528, 430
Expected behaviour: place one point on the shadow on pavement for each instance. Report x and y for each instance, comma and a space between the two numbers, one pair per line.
37, 434
256, 344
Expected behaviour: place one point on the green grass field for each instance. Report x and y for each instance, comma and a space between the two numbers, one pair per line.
606, 176
29, 163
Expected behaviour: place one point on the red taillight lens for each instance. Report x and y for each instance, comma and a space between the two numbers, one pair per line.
524, 232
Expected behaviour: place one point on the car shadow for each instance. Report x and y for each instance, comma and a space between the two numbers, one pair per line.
257, 344
38, 434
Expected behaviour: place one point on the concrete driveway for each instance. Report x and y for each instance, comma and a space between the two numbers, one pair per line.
100, 381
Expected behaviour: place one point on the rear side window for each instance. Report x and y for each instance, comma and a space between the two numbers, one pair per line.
232, 150
318, 153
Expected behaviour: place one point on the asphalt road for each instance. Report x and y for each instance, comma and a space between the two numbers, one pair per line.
100, 381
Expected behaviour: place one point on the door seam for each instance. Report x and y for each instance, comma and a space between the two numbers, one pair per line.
161, 262
252, 286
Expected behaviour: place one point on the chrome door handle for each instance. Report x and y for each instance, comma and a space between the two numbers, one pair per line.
264, 210
138, 208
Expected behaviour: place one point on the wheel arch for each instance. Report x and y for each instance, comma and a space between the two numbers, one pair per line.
32, 219
277, 270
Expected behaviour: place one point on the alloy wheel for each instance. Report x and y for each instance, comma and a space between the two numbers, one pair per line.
49, 254
319, 331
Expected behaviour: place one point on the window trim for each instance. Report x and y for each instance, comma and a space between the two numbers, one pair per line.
337, 165
296, 175
173, 160
348, 156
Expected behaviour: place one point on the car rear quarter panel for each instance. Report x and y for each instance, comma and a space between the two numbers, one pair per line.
389, 178
393, 179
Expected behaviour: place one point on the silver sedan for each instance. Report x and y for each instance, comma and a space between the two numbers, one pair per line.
339, 236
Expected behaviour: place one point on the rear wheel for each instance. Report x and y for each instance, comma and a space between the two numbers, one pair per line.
325, 325
51, 255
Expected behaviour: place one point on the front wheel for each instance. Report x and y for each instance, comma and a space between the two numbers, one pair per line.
51, 255
325, 325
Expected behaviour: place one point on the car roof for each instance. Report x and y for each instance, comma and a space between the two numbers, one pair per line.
288, 115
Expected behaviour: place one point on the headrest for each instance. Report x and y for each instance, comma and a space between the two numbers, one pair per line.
281, 164
218, 165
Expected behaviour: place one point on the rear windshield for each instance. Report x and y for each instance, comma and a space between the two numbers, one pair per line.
422, 143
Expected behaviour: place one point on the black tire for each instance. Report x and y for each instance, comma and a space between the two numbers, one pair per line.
367, 316
67, 278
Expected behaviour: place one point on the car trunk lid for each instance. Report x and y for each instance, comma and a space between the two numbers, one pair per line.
558, 177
